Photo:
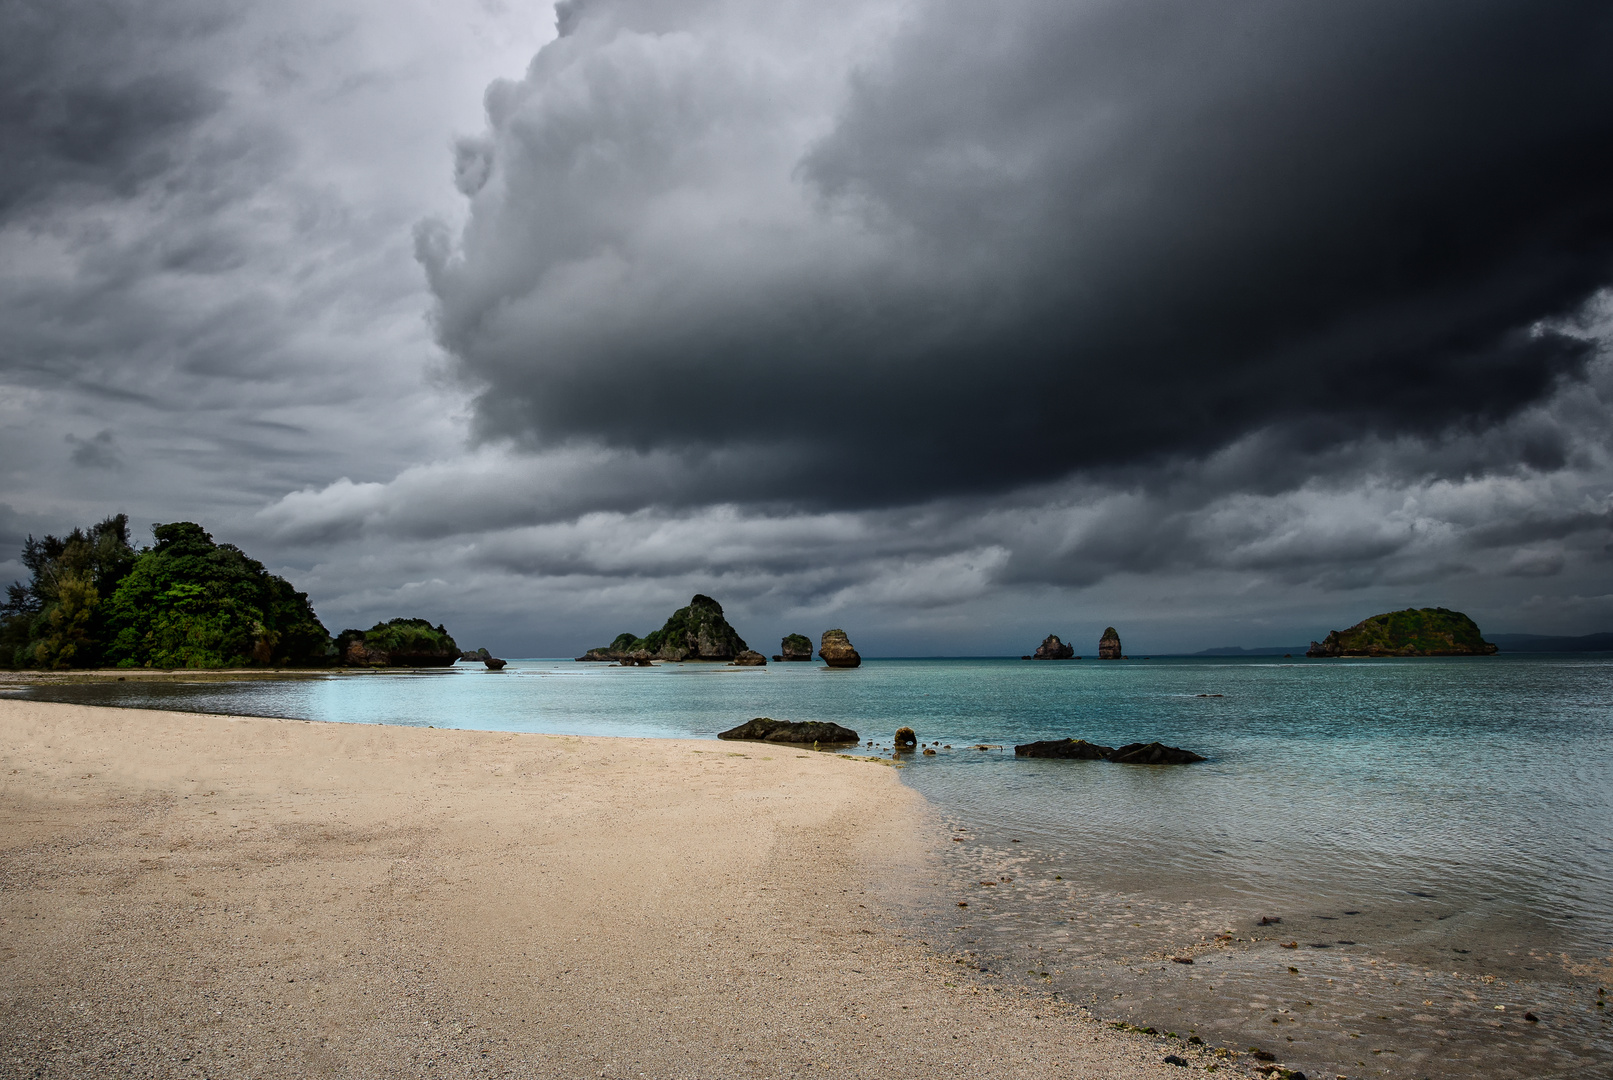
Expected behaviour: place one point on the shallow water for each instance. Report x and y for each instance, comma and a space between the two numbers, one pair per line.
1433, 834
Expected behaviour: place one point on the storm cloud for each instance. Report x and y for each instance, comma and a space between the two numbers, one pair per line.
983, 246
950, 324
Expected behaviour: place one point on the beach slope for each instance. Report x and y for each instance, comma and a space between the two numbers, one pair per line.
187, 895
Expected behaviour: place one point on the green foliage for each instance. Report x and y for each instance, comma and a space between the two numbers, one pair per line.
190, 602
58, 618
1412, 632
402, 641
623, 643
797, 643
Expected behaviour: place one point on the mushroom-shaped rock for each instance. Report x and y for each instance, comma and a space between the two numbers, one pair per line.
1053, 649
1109, 645
494, 663
1077, 749
906, 738
766, 729
836, 650
749, 658
1153, 753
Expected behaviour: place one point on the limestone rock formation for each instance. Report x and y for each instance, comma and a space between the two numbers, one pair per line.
494, 663
1077, 749
696, 632
906, 738
750, 658
397, 643
836, 650
766, 729
1413, 632
1052, 649
1109, 645
1153, 753
795, 647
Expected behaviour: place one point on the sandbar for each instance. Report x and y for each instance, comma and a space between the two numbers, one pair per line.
194, 895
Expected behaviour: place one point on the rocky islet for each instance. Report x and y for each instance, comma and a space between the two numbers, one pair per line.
836, 650
1412, 632
1152, 753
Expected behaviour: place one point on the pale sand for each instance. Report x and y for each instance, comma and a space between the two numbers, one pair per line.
188, 895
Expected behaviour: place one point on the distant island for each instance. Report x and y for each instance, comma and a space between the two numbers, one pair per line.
695, 632
1413, 632
1531, 643
1258, 650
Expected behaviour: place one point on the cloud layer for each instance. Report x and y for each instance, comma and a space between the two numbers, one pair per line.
943, 248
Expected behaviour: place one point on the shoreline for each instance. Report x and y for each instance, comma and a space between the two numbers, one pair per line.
190, 894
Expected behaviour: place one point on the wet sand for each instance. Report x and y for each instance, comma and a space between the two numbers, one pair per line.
193, 895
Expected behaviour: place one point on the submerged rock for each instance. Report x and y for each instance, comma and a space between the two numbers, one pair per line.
795, 647
1413, 632
749, 658
1053, 649
1078, 749
1153, 753
766, 729
1109, 645
836, 650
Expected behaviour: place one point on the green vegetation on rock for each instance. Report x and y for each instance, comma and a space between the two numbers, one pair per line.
1412, 632
93, 599
696, 632
188, 602
398, 643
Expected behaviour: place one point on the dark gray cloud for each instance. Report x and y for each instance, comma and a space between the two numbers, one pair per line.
1003, 243
99, 451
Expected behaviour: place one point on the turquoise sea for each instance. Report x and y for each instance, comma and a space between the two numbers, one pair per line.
1435, 836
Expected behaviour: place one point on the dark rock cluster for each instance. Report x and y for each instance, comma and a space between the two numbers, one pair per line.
1052, 649
397, 643
1153, 753
766, 729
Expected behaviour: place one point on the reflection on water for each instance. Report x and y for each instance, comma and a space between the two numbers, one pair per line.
1435, 835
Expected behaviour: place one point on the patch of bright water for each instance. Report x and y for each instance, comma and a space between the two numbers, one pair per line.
1435, 835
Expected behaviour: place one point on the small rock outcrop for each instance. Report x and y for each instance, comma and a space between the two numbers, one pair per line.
749, 658
1413, 632
398, 643
1153, 753
1076, 749
1052, 649
766, 729
906, 739
836, 650
795, 647
1109, 645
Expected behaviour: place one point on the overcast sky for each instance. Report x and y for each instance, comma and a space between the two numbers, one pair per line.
952, 324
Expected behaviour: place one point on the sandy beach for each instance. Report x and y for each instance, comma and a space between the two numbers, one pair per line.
210, 896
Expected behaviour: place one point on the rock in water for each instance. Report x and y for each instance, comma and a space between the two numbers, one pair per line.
494, 663
696, 632
836, 650
1413, 632
1053, 649
766, 729
795, 647
1109, 645
906, 738
398, 643
750, 658
1079, 749
1153, 753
